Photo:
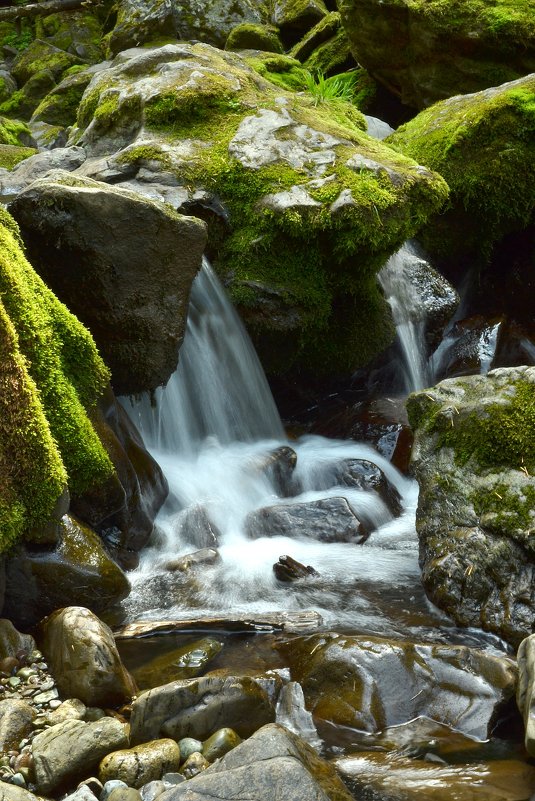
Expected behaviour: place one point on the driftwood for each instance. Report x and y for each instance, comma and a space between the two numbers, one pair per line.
13, 12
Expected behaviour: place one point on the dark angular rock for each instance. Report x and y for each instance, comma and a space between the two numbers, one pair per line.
326, 520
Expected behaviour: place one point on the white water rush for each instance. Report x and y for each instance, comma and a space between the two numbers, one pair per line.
213, 430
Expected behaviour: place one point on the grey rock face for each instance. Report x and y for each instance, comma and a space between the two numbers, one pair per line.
525, 694
370, 683
82, 655
34, 167
122, 263
198, 707
273, 763
326, 520
473, 459
73, 749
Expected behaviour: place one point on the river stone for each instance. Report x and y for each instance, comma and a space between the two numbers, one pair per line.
273, 763
394, 777
474, 460
423, 50
357, 474
72, 709
16, 719
70, 751
185, 564
198, 707
142, 764
326, 520
77, 569
12, 641
194, 765
193, 525
288, 569
278, 466
82, 793
136, 315
9, 792
128, 794
235, 163
189, 746
220, 743
140, 21
185, 662
369, 683
525, 694
83, 657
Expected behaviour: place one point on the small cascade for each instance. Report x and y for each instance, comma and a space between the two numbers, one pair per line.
219, 389
409, 315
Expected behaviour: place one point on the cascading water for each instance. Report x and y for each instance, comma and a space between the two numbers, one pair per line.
211, 429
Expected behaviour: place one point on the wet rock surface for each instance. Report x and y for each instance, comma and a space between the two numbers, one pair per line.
328, 520
369, 683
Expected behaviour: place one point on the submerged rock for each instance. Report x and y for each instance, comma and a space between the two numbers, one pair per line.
426, 50
272, 173
194, 526
474, 460
288, 569
137, 315
182, 663
273, 763
278, 466
83, 657
326, 520
369, 683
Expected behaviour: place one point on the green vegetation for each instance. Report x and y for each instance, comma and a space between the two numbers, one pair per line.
13, 132
10, 155
484, 147
50, 378
249, 36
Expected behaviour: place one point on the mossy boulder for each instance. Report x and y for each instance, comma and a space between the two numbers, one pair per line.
11, 155
137, 310
474, 459
39, 56
14, 132
309, 206
77, 32
295, 17
249, 36
483, 144
23, 102
60, 106
142, 21
50, 379
427, 50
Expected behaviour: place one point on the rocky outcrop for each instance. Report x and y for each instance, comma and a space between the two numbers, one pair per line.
426, 50
474, 460
349, 681
483, 145
272, 173
82, 655
122, 263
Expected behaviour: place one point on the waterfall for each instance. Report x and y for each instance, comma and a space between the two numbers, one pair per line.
219, 389
213, 429
408, 313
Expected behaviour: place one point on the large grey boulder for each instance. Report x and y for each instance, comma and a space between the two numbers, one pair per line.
140, 21
273, 763
82, 656
198, 707
122, 263
305, 178
370, 683
326, 520
34, 167
72, 750
474, 459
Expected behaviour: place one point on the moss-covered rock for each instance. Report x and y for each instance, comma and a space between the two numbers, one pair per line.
324, 30
50, 377
313, 206
10, 155
141, 21
484, 146
332, 56
60, 106
23, 102
427, 50
77, 32
474, 459
249, 36
14, 132
39, 56
295, 17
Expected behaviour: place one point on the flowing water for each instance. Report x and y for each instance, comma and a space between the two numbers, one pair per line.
210, 429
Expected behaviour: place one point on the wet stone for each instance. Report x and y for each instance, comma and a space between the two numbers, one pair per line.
288, 569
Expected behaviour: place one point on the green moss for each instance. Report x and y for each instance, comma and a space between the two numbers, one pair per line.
13, 132
249, 36
505, 508
50, 377
60, 106
320, 33
10, 155
484, 147
38, 57
331, 56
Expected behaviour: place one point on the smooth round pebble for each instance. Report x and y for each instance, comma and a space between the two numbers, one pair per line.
120, 794
110, 786
188, 746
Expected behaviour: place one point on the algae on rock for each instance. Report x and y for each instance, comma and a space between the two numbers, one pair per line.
50, 376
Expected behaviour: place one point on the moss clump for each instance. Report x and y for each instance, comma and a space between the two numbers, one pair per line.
24, 101
13, 132
319, 34
60, 106
484, 147
249, 36
283, 71
503, 507
332, 56
50, 377
40, 56
11, 155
